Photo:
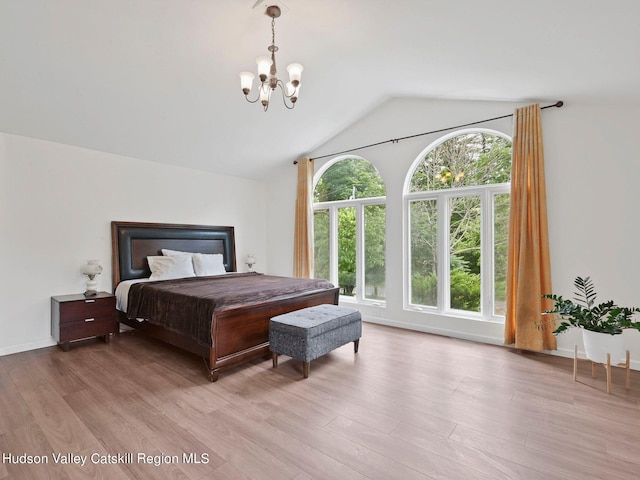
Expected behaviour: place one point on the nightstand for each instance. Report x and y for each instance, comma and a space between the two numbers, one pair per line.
74, 317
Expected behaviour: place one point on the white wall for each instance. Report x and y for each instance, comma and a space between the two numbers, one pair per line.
592, 169
57, 202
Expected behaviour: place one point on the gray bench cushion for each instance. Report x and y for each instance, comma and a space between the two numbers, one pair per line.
314, 331
313, 321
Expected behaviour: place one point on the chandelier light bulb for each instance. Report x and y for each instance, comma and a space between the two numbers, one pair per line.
292, 92
246, 81
295, 72
265, 93
264, 64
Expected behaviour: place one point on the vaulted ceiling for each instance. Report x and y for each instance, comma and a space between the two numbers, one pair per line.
158, 79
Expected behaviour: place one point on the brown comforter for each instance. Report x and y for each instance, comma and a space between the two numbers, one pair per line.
187, 305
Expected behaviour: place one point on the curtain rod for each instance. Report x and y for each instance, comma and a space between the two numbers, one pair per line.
558, 104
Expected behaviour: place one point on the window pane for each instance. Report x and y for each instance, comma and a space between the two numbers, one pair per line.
464, 253
500, 239
349, 179
464, 160
424, 252
347, 250
321, 244
374, 249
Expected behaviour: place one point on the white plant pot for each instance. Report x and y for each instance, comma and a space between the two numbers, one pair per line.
597, 345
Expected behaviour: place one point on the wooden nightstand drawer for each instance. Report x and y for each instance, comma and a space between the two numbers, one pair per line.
90, 327
87, 308
74, 317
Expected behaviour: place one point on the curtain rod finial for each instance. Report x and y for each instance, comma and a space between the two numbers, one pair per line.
559, 103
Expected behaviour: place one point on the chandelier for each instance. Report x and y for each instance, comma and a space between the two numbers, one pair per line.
267, 73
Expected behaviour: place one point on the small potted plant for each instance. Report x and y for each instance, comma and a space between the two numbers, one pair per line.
601, 324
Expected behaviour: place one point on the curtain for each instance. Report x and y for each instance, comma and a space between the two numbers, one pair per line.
303, 228
528, 261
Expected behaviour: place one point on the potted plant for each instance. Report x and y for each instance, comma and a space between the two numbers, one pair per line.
601, 324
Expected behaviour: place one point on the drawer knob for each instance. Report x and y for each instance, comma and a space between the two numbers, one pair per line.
89, 319
89, 301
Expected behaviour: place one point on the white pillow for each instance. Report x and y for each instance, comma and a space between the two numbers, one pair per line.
167, 268
204, 264
171, 253
208, 264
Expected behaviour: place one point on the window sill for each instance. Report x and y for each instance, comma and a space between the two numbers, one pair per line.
368, 303
458, 314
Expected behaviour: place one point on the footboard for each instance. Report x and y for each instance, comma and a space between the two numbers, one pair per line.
242, 334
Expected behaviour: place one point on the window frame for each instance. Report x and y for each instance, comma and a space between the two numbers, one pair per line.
487, 195
359, 205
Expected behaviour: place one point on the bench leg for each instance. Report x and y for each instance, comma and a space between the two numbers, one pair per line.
305, 369
356, 344
274, 358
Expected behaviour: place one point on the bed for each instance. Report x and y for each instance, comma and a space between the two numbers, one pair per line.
239, 333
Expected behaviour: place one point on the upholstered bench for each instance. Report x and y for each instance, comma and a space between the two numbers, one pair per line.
309, 333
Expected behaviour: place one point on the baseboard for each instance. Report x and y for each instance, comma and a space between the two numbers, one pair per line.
435, 331
561, 352
26, 347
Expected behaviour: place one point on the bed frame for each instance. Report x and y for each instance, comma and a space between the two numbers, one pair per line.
238, 335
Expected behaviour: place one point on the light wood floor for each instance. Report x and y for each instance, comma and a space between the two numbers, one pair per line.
407, 406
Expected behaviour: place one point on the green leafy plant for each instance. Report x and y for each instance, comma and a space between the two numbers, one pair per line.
604, 317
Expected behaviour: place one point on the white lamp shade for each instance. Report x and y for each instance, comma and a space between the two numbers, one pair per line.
292, 91
265, 93
251, 258
295, 72
246, 80
92, 267
264, 65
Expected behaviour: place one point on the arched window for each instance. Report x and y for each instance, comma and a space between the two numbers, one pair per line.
349, 228
457, 208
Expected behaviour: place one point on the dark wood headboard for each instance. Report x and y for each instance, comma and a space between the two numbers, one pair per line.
132, 242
